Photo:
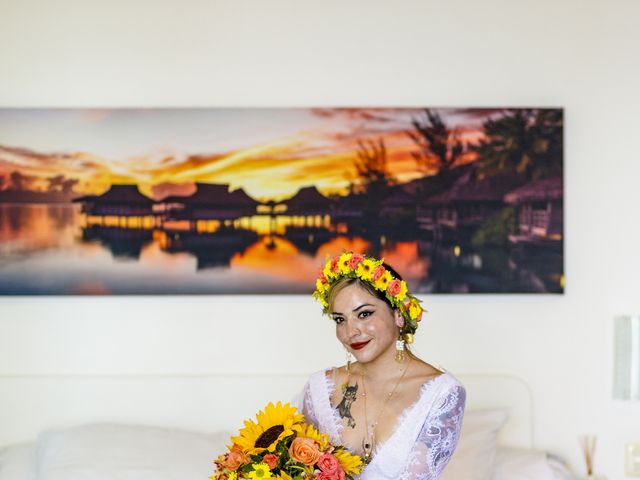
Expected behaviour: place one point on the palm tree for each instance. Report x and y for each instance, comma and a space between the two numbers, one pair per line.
439, 146
374, 178
524, 141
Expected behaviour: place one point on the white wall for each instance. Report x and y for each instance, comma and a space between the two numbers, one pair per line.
582, 55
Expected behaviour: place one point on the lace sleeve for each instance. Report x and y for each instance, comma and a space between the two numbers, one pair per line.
438, 437
306, 405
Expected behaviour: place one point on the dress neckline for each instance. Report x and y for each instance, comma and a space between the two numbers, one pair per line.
404, 415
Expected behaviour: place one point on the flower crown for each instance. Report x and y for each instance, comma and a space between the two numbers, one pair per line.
372, 271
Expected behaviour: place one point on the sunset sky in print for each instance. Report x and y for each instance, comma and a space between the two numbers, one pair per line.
270, 153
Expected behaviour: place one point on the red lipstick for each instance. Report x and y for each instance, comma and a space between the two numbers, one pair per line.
358, 346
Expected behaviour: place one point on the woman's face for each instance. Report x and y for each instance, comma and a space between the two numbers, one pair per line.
365, 325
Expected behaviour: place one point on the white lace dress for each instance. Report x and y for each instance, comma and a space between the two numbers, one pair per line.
425, 436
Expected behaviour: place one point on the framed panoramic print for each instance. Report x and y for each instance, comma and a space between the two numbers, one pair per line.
205, 201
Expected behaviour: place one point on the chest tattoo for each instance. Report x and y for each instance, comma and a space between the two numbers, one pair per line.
344, 407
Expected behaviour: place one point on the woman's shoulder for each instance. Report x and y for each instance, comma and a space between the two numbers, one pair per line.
328, 375
428, 374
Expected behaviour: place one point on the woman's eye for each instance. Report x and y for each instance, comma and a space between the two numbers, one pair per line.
338, 320
364, 314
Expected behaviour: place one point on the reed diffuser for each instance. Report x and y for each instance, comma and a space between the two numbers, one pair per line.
588, 446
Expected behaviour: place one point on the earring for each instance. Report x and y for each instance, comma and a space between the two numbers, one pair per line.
400, 349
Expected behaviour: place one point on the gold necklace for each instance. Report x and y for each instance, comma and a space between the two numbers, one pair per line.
369, 440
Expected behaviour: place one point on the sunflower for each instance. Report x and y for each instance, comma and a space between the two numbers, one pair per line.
382, 282
351, 464
365, 269
343, 263
309, 431
274, 424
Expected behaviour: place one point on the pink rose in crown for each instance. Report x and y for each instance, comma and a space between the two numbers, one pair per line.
328, 463
378, 272
321, 277
334, 265
394, 287
355, 259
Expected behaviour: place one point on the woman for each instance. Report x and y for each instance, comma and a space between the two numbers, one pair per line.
400, 414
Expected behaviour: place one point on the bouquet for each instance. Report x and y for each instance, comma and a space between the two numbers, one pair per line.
280, 445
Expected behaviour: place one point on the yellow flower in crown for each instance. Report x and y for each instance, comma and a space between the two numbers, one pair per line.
415, 310
365, 269
344, 262
322, 287
382, 279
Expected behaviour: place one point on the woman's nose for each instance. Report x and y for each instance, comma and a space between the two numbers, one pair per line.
352, 329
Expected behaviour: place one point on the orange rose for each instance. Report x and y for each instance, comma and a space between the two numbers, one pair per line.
304, 450
235, 458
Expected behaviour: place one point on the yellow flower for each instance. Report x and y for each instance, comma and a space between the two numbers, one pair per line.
274, 424
383, 281
343, 263
284, 476
365, 269
415, 309
232, 476
352, 464
260, 470
327, 271
309, 431
321, 287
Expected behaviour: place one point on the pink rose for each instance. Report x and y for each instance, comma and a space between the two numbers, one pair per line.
378, 272
271, 460
338, 475
355, 259
328, 463
304, 450
334, 265
394, 287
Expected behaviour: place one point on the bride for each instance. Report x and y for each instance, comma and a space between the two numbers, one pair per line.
400, 414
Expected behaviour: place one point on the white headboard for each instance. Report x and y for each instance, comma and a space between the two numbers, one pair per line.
32, 404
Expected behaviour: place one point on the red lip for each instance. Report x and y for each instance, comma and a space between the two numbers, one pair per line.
358, 346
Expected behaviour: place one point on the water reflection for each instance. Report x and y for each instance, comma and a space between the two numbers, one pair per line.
261, 253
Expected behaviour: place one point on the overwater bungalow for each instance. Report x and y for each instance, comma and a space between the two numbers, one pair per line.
308, 201
209, 202
119, 201
470, 202
540, 212
398, 207
349, 208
